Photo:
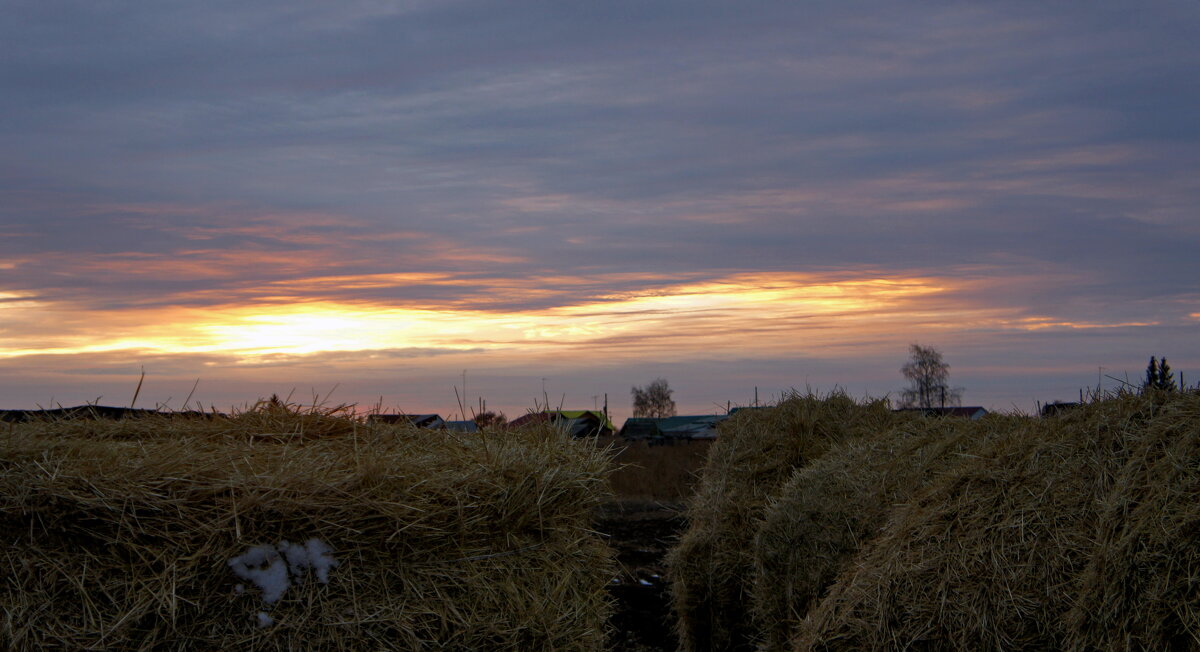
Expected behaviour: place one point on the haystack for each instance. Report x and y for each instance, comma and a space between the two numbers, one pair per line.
827, 510
273, 531
755, 453
1141, 587
996, 553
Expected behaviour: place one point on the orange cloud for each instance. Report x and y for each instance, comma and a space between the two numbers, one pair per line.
1044, 323
738, 315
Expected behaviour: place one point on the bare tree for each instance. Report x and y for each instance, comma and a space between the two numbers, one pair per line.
653, 400
928, 377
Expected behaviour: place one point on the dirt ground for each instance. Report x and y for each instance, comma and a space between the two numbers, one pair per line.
641, 532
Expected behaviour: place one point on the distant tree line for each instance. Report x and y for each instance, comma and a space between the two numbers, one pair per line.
928, 387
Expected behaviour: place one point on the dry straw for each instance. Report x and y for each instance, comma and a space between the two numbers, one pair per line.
1078, 532
830, 508
117, 535
1141, 587
712, 567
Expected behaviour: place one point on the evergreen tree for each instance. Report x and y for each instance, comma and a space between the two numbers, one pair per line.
1159, 376
1166, 379
1151, 374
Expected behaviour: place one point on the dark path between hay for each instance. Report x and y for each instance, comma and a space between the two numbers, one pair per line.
641, 533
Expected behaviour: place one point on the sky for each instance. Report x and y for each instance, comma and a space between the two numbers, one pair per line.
370, 202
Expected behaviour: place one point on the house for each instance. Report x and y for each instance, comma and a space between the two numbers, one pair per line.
429, 421
640, 428
972, 412
578, 423
462, 426
678, 427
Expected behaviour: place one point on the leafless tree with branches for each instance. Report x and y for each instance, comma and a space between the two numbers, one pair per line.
928, 380
653, 400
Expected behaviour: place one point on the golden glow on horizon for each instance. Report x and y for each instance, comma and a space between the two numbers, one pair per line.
739, 315
681, 319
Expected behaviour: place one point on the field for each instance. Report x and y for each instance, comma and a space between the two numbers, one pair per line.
821, 523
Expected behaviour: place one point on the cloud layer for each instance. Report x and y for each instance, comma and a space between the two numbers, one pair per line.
315, 191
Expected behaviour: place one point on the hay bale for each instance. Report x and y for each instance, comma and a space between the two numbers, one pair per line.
120, 535
827, 510
1141, 587
756, 452
991, 554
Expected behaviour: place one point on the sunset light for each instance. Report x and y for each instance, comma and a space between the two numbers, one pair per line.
641, 295
397, 199
700, 316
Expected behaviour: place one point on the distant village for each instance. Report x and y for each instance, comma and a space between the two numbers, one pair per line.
577, 423
928, 394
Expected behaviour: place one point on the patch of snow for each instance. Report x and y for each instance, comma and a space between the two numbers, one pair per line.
239, 589
267, 567
265, 619
263, 566
313, 554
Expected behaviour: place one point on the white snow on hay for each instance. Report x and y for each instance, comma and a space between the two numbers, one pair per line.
272, 569
313, 554
263, 566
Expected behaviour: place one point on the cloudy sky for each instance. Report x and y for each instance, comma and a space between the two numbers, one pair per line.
583, 196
